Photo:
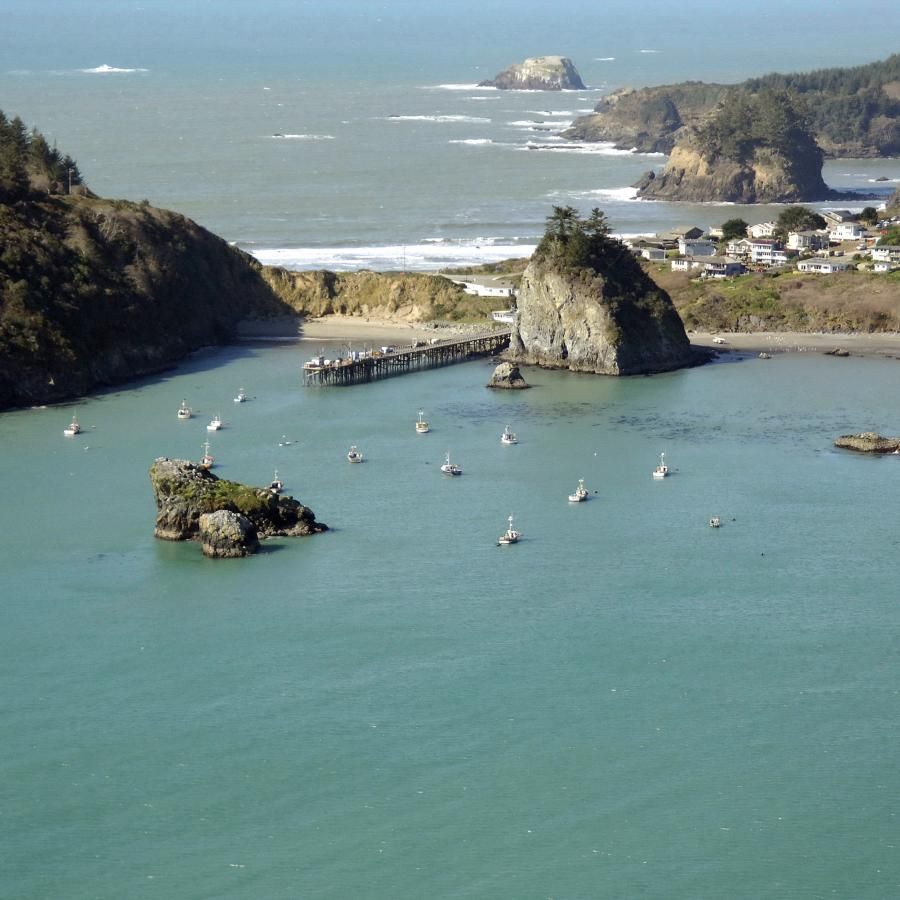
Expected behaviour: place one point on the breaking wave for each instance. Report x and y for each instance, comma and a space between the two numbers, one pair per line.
107, 70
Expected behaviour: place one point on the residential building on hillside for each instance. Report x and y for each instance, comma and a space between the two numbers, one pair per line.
762, 230
822, 266
723, 268
696, 247
807, 240
846, 231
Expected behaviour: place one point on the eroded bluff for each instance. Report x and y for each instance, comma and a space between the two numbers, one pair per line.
618, 323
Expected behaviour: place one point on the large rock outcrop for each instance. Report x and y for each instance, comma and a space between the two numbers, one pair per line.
538, 73
226, 535
185, 493
612, 321
756, 148
868, 442
507, 377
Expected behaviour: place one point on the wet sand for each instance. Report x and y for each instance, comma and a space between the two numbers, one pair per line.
870, 345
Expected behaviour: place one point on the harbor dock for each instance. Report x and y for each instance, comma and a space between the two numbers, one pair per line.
372, 365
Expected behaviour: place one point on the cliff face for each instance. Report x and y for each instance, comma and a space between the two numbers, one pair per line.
539, 73
765, 176
93, 292
586, 321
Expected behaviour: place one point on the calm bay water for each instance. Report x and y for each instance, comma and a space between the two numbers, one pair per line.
628, 703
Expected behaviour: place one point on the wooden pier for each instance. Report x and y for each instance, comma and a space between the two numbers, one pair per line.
378, 364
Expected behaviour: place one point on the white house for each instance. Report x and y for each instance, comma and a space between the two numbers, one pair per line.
486, 290
822, 266
739, 248
834, 217
765, 252
687, 264
654, 254
884, 266
696, 247
762, 230
885, 253
847, 231
807, 240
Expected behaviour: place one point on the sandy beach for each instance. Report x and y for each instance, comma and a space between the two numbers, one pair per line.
869, 345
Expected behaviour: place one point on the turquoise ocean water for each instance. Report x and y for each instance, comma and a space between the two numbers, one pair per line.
626, 704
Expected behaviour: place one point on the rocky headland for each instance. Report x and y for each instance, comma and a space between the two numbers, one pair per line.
755, 148
226, 517
538, 73
586, 305
868, 442
853, 112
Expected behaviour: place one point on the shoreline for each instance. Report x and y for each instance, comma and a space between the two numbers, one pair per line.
367, 329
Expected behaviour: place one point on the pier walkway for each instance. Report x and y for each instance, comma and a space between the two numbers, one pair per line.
378, 364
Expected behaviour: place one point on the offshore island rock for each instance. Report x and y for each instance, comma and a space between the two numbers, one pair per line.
868, 442
538, 73
225, 534
185, 491
507, 377
585, 304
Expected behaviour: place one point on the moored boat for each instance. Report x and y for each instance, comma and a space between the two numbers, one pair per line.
73, 428
715, 522
184, 411
662, 470
215, 424
510, 536
276, 486
580, 494
422, 427
449, 468
207, 461
508, 436
240, 397
353, 455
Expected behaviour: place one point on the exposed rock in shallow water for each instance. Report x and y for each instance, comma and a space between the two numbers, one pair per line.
184, 492
225, 534
508, 377
613, 322
868, 442
538, 73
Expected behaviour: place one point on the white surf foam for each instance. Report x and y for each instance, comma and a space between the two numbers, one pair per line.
604, 58
472, 142
619, 195
106, 70
599, 148
550, 112
649, 51
440, 119
427, 256
303, 137
457, 87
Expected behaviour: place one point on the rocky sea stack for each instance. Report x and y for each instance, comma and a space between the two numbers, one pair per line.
507, 377
228, 518
538, 73
756, 148
585, 304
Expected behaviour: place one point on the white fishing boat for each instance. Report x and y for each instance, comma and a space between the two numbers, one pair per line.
240, 397
184, 411
73, 429
508, 436
581, 493
662, 470
422, 427
215, 424
449, 468
510, 536
715, 522
276, 486
353, 455
207, 460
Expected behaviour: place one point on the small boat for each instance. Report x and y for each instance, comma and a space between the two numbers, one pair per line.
353, 455
215, 424
715, 522
184, 411
73, 429
449, 468
581, 493
207, 460
276, 486
241, 396
422, 426
510, 536
662, 470
764, 355
508, 436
